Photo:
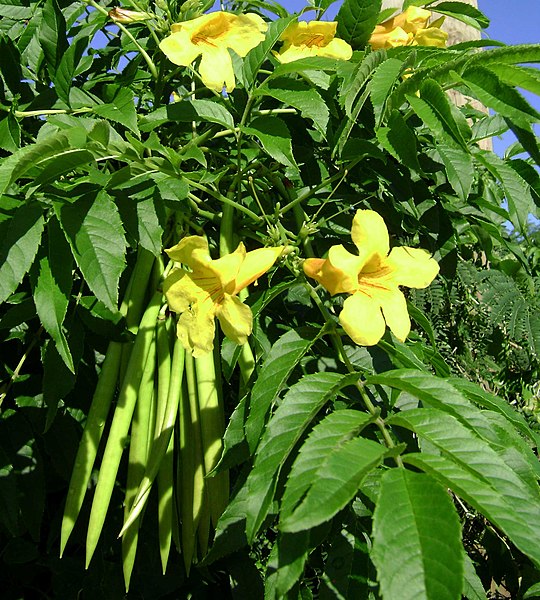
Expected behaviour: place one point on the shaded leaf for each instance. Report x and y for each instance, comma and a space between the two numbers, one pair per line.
356, 21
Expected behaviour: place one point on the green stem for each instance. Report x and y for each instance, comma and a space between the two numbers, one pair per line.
226, 201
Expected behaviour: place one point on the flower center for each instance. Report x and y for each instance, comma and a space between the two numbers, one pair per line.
210, 33
313, 39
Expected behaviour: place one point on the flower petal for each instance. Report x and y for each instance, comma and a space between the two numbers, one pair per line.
235, 318
338, 273
412, 19
216, 69
179, 49
196, 329
178, 290
255, 264
183, 251
337, 48
394, 307
226, 268
412, 267
304, 33
370, 235
362, 319
432, 36
245, 32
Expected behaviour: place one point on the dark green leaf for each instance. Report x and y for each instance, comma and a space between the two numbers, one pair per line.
274, 137
52, 34
464, 12
381, 84
93, 228
294, 414
20, 242
52, 287
399, 140
10, 133
414, 512
281, 360
10, 64
356, 21
459, 169
120, 110
300, 95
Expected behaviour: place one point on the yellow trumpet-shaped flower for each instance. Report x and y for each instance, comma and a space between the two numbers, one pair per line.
207, 289
210, 36
316, 38
409, 28
372, 278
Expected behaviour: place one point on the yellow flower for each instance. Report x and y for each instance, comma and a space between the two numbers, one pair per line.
316, 38
372, 278
210, 36
409, 28
208, 288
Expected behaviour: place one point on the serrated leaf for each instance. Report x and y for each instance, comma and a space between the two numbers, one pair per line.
120, 110
94, 230
335, 483
415, 518
332, 431
516, 189
187, 111
472, 586
61, 163
10, 64
459, 169
399, 140
21, 236
10, 133
474, 471
143, 219
299, 406
280, 362
52, 34
300, 95
274, 137
452, 119
313, 63
52, 287
493, 92
353, 86
382, 81
16, 165
356, 21
465, 13
286, 564
12, 9
256, 57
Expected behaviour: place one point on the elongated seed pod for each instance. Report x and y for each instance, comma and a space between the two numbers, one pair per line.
120, 425
212, 421
138, 454
86, 453
161, 443
165, 481
131, 308
138, 295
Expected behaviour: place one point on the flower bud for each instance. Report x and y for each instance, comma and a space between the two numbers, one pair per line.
123, 15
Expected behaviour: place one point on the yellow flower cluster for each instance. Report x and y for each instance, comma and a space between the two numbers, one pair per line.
409, 28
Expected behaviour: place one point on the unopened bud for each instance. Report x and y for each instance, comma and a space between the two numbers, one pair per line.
123, 15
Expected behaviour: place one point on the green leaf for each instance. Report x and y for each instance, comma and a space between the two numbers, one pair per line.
399, 140
533, 591
52, 287
20, 236
294, 414
94, 230
18, 164
516, 76
335, 483
300, 95
416, 539
10, 133
329, 434
381, 84
516, 190
504, 99
279, 364
64, 162
52, 34
187, 111
286, 563
256, 57
313, 63
14, 9
452, 119
275, 138
474, 471
10, 64
464, 12
354, 84
143, 219
120, 110
459, 167
472, 586
356, 21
